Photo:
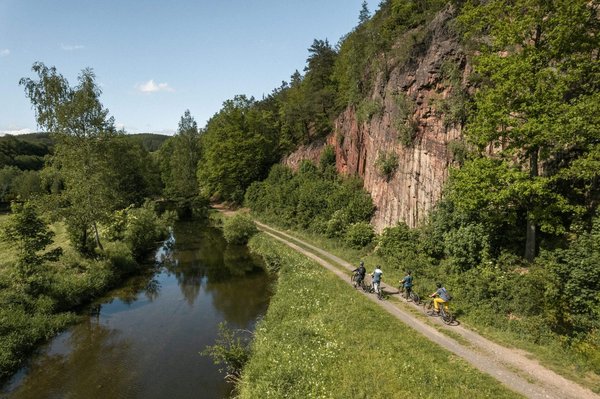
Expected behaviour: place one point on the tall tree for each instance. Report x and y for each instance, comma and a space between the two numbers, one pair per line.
540, 70
83, 133
180, 158
364, 14
239, 145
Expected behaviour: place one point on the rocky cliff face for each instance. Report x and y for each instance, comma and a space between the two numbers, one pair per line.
409, 126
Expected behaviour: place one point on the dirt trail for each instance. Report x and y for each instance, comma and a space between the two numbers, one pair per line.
509, 366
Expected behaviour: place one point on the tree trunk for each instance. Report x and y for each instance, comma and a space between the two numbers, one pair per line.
98, 243
530, 244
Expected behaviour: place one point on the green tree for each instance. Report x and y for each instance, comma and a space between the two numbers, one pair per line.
30, 235
84, 134
179, 163
239, 145
538, 100
364, 14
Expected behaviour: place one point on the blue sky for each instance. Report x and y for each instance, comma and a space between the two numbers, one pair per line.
156, 58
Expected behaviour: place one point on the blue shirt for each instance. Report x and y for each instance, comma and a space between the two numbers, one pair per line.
442, 293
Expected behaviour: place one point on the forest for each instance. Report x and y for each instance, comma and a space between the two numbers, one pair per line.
516, 234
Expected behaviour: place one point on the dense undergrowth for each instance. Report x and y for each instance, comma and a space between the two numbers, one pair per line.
36, 305
320, 338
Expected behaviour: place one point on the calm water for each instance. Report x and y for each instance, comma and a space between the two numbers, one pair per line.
142, 341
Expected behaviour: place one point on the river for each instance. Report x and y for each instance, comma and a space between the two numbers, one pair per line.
142, 340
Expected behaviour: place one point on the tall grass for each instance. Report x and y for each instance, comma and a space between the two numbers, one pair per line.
320, 338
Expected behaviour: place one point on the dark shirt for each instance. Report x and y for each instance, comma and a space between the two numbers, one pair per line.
360, 271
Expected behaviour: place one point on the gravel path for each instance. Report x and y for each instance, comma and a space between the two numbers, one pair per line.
509, 366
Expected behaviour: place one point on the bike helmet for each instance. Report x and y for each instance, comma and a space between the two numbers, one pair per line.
439, 285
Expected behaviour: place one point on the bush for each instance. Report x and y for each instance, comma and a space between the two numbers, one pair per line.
239, 229
466, 246
386, 164
120, 257
360, 235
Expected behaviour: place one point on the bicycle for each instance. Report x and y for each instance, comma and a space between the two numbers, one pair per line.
356, 283
412, 296
379, 292
444, 314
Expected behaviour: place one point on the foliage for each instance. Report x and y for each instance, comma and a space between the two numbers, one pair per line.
367, 109
327, 159
239, 145
19, 185
359, 234
23, 153
83, 134
232, 349
179, 158
309, 335
239, 229
386, 164
538, 96
310, 199
28, 232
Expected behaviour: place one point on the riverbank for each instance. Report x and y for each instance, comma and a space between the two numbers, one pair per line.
29, 317
144, 337
320, 337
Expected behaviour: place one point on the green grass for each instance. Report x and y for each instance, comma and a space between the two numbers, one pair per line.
552, 355
320, 338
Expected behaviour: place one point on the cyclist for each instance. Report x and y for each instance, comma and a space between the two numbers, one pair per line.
442, 297
359, 274
376, 278
407, 283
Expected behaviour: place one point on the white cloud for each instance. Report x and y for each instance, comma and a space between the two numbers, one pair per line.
71, 47
16, 132
151, 87
4, 52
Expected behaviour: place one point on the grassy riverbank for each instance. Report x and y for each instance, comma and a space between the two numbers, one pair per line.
31, 313
553, 353
322, 339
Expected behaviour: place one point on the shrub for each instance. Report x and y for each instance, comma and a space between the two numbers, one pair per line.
239, 229
386, 164
367, 109
466, 246
120, 256
327, 157
359, 235
144, 228
336, 226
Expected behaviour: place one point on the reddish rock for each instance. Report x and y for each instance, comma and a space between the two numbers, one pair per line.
410, 193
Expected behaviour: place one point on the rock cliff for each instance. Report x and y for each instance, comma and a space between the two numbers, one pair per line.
410, 128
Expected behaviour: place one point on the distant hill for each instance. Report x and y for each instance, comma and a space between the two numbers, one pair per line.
27, 151
150, 141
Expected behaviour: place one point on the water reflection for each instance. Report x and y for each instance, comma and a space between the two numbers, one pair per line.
143, 340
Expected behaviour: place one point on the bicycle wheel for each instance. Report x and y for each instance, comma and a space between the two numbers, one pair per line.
429, 310
380, 293
446, 316
415, 298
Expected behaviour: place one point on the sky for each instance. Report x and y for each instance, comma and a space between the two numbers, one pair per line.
153, 59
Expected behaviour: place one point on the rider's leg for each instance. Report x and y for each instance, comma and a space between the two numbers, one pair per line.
436, 304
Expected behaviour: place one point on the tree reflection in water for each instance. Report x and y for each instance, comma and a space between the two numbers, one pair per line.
91, 361
143, 340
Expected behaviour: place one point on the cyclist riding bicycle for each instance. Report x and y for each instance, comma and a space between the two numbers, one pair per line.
359, 273
443, 297
376, 278
407, 283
